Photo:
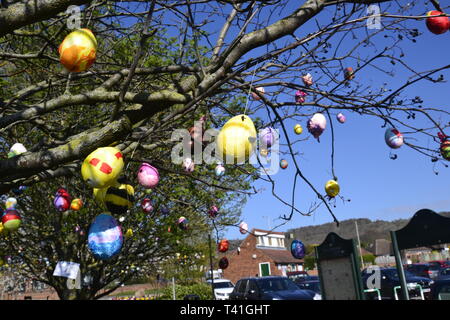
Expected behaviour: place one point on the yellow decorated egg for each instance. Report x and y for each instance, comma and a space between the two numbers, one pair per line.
76, 204
102, 167
78, 50
298, 129
332, 188
236, 139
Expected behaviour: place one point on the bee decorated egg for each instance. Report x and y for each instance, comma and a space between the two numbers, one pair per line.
118, 199
105, 237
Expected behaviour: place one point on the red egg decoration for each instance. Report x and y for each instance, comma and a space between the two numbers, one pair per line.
147, 205
223, 245
437, 25
62, 200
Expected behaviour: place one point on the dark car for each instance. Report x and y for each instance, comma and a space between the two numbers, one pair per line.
297, 275
444, 274
440, 263
427, 270
440, 289
311, 284
270, 288
390, 280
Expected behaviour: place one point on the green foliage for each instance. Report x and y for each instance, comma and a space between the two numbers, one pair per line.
369, 258
203, 290
309, 262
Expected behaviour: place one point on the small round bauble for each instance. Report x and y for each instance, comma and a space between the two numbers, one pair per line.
213, 211
261, 91
243, 227
340, 117
183, 223
102, 167
118, 199
11, 203
76, 204
349, 74
223, 263
393, 138
78, 51
11, 220
188, 165
283, 164
147, 205
332, 188
61, 203
298, 249
148, 176
298, 129
236, 140
267, 137
223, 245
219, 170
437, 25
105, 237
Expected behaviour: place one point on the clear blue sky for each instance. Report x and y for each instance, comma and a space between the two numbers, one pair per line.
379, 188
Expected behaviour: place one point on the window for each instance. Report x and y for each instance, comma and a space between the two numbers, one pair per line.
241, 286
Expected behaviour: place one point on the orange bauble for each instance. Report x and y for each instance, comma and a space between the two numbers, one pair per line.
78, 50
223, 245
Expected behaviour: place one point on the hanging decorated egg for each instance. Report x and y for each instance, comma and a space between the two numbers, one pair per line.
317, 124
340, 117
223, 263
148, 176
11, 220
147, 205
105, 237
78, 51
349, 74
267, 137
283, 164
62, 200
183, 223
188, 165
298, 129
243, 227
298, 249
11, 203
261, 90
332, 188
445, 149
129, 233
223, 245
219, 170
437, 25
76, 204
196, 133
118, 199
307, 80
18, 149
213, 211
393, 138
300, 96
236, 139
102, 167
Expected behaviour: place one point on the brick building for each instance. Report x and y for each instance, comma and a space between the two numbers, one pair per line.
261, 253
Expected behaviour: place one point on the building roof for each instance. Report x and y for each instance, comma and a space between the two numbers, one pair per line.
280, 256
267, 231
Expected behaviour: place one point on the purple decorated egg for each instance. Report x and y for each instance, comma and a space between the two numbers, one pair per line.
298, 249
316, 125
148, 176
267, 137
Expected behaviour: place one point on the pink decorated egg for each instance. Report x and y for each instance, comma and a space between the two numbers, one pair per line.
148, 176
316, 125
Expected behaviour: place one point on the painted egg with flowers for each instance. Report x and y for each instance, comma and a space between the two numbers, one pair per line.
78, 51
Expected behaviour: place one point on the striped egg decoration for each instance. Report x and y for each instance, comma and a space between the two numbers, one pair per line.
118, 199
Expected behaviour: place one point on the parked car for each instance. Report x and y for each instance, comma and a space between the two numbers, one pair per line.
271, 288
297, 275
310, 284
440, 263
222, 288
390, 280
440, 289
426, 270
444, 274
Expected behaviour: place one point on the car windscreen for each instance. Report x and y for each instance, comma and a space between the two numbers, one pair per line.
279, 284
392, 273
222, 285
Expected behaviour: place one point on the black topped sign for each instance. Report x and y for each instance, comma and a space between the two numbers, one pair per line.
335, 247
426, 228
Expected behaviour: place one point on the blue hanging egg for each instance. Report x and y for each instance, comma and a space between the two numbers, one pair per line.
298, 249
105, 237
393, 138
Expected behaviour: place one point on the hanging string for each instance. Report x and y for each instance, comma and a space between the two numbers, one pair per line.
250, 88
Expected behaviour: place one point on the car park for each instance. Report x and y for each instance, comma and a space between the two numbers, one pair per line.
390, 284
222, 288
271, 288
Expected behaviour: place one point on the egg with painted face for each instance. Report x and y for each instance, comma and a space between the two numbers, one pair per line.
236, 140
393, 138
102, 167
78, 50
298, 250
105, 237
148, 176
